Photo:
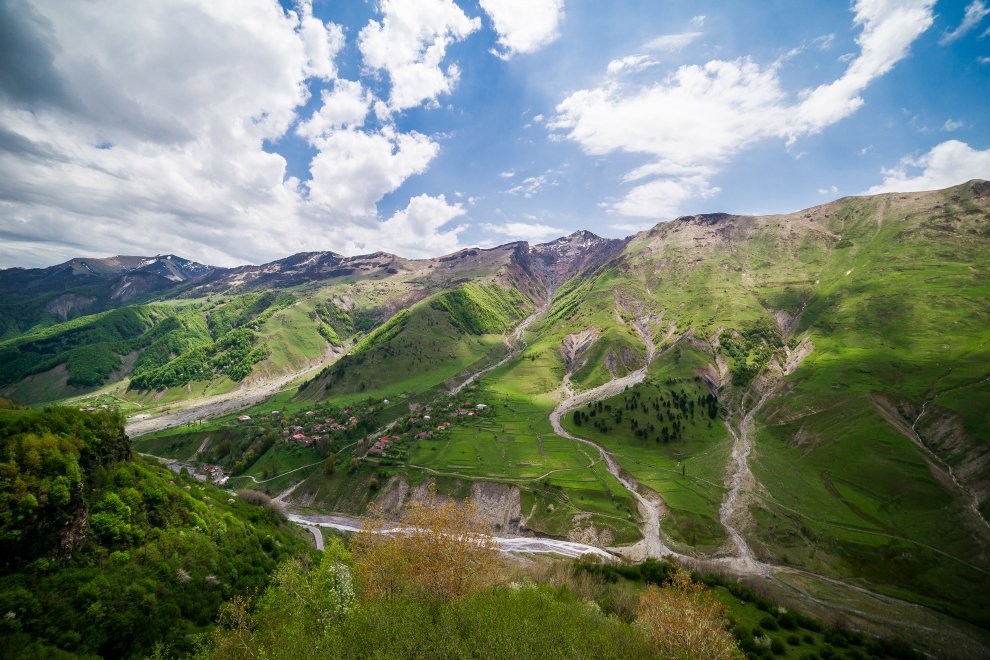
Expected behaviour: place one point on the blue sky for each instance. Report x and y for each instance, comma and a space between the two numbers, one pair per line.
242, 132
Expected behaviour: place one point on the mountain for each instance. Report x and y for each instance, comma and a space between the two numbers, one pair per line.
33, 297
795, 395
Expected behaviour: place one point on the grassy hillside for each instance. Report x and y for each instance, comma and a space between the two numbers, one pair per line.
107, 555
421, 348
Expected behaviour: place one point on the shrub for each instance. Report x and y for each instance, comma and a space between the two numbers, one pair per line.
445, 554
769, 623
683, 620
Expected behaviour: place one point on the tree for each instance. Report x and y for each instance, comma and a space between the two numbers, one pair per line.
328, 465
685, 621
445, 552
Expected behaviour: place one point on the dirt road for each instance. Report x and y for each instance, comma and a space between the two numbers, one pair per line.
221, 404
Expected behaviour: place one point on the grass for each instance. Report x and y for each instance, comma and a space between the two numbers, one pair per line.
686, 471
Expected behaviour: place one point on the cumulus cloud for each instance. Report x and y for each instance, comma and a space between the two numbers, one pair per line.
690, 124
415, 230
947, 164
355, 169
410, 44
524, 231
829, 190
524, 26
344, 107
976, 11
163, 150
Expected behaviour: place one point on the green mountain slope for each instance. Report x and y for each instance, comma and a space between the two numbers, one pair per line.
803, 390
104, 554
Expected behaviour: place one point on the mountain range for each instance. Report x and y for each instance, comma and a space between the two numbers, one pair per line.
804, 392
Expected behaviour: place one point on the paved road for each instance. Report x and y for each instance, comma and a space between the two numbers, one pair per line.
317, 534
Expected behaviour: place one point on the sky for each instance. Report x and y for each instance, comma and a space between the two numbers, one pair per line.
242, 131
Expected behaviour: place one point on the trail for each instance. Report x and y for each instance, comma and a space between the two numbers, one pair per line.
277, 476
514, 348
741, 448
652, 544
934, 460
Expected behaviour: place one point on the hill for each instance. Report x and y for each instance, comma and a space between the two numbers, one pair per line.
797, 397
107, 554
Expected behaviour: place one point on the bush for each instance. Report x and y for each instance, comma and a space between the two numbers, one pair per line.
683, 620
769, 623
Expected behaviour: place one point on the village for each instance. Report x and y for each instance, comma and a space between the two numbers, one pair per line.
327, 430
432, 423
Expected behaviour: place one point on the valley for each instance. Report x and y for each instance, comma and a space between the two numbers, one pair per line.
794, 401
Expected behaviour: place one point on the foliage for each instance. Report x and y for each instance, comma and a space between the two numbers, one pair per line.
479, 309
109, 556
88, 345
382, 334
446, 552
684, 621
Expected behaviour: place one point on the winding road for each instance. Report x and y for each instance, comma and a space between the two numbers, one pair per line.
507, 544
221, 404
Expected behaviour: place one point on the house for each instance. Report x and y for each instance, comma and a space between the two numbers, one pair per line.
426, 417
310, 413
422, 436
275, 412
299, 437
481, 406
244, 418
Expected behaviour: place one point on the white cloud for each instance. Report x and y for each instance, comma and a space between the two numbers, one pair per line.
346, 106
355, 169
508, 174
889, 29
538, 118
664, 197
530, 186
824, 42
692, 123
698, 21
410, 44
322, 42
164, 150
631, 64
524, 26
672, 42
983, 60
524, 231
951, 125
947, 164
631, 227
415, 231
830, 190
976, 11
